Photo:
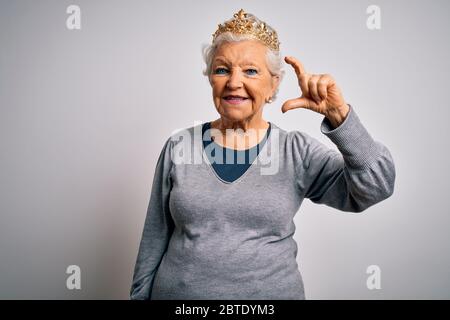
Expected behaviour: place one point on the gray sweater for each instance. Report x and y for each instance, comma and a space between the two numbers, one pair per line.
205, 238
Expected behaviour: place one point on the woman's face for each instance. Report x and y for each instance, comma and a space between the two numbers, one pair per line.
240, 80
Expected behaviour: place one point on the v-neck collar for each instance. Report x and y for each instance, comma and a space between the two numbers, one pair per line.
262, 156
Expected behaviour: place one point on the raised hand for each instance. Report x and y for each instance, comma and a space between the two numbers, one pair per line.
320, 93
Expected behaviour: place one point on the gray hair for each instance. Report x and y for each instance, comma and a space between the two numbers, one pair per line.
273, 58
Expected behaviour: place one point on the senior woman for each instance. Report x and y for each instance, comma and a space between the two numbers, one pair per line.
223, 228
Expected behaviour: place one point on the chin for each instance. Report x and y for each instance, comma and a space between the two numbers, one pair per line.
235, 114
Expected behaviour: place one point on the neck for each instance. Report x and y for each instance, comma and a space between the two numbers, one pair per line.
231, 132
254, 122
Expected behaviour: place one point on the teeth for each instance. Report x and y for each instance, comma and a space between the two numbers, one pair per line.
235, 98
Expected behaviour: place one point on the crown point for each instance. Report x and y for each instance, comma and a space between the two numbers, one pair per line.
242, 24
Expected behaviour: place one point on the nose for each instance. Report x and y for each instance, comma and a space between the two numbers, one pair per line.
235, 80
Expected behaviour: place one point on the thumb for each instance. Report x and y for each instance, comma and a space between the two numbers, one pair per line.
296, 103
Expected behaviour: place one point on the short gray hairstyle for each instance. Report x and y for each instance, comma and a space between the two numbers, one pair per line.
273, 58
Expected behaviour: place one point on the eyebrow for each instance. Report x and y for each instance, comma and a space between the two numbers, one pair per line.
246, 62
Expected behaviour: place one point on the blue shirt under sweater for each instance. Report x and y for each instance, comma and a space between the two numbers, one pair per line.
229, 169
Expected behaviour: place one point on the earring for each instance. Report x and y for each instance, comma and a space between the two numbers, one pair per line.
269, 100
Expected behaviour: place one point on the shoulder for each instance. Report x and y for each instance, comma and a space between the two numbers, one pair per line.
183, 137
300, 146
295, 140
179, 147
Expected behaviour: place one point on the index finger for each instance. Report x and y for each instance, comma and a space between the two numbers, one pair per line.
298, 66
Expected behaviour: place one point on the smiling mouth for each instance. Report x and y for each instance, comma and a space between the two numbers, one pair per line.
234, 98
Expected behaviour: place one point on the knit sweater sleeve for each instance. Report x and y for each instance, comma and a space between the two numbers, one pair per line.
158, 228
360, 175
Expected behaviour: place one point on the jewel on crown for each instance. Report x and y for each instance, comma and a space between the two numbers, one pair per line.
242, 24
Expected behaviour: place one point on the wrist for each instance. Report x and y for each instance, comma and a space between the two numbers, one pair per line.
338, 115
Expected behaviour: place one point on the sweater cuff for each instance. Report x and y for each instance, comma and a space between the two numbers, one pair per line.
353, 140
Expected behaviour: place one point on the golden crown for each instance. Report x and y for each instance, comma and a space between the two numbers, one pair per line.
242, 24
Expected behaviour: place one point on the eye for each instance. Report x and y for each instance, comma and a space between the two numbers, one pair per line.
251, 72
220, 71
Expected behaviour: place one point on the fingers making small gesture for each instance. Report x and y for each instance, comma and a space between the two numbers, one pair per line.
320, 93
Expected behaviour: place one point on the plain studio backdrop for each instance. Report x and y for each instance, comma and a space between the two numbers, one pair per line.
85, 113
